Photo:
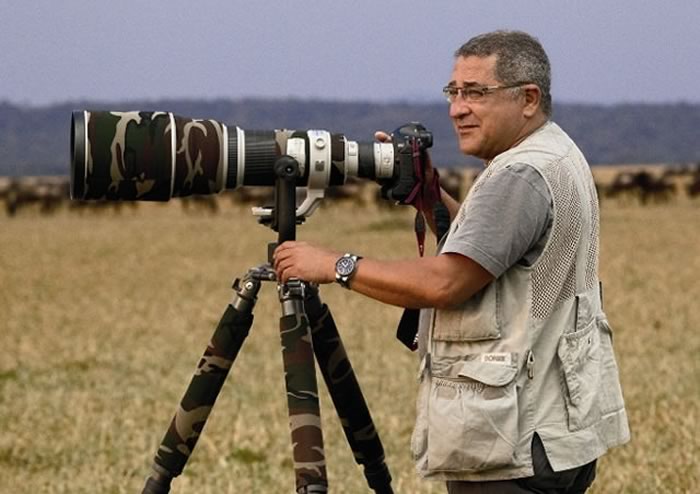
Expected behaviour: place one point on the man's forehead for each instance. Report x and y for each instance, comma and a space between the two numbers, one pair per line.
473, 70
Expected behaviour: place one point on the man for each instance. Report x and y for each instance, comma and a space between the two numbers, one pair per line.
519, 391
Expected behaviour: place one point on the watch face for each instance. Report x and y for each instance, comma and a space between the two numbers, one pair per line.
344, 266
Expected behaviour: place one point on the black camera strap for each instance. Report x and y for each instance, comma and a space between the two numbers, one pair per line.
425, 193
425, 197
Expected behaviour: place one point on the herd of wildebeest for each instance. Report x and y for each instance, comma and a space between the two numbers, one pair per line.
643, 186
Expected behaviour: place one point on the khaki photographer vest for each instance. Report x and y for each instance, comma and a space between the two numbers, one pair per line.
532, 352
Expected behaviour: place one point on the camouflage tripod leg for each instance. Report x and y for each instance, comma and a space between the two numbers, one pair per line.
302, 391
346, 394
213, 368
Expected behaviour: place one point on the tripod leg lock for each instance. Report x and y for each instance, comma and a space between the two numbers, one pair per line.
246, 293
291, 295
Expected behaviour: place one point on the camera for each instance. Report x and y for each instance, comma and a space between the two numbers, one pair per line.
153, 156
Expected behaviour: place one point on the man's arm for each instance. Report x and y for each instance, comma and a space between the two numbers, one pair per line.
441, 282
451, 204
452, 207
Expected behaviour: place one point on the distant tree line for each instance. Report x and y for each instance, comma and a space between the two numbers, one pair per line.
35, 140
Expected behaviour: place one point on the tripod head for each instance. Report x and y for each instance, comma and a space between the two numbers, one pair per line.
284, 216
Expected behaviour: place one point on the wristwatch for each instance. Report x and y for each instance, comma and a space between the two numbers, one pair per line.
345, 268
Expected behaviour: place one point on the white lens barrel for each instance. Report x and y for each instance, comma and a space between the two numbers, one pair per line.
296, 148
352, 159
383, 159
240, 158
319, 159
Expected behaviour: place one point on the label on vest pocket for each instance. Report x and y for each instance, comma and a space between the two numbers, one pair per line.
503, 358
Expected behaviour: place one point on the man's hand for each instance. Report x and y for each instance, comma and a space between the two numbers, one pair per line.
382, 136
305, 262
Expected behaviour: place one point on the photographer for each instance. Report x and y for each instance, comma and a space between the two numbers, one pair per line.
519, 387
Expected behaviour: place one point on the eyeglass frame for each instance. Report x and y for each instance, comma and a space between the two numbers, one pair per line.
450, 92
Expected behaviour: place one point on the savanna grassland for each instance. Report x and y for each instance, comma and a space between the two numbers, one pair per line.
104, 316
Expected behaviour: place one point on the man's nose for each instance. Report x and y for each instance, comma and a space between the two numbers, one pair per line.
459, 107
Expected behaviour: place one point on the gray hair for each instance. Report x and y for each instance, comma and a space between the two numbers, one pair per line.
520, 58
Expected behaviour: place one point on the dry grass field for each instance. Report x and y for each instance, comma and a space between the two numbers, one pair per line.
104, 316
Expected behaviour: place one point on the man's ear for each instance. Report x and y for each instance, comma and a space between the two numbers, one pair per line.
533, 97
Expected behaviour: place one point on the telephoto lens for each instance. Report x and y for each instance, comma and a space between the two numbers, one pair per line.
153, 156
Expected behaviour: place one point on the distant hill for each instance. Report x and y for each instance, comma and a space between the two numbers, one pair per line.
35, 140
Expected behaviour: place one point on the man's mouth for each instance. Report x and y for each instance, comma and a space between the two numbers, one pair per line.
466, 127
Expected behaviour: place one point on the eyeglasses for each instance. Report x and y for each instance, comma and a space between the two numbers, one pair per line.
473, 93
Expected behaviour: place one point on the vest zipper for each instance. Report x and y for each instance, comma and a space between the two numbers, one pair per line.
530, 364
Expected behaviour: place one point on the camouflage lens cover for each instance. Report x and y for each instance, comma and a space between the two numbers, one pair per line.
136, 156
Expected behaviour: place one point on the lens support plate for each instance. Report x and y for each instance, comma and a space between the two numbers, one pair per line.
319, 165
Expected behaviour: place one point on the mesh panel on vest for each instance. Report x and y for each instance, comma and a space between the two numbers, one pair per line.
554, 275
592, 261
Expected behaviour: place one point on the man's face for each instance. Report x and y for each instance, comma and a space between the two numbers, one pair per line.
494, 123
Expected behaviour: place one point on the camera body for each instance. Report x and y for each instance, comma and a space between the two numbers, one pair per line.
411, 142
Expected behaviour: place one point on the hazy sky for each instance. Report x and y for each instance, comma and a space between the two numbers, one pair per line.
602, 51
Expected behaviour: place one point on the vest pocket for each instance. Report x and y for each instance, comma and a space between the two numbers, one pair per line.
611, 391
580, 355
468, 421
477, 319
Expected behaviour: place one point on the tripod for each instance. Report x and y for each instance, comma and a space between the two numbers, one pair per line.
308, 334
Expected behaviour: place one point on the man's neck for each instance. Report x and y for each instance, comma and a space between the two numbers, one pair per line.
528, 129
531, 127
